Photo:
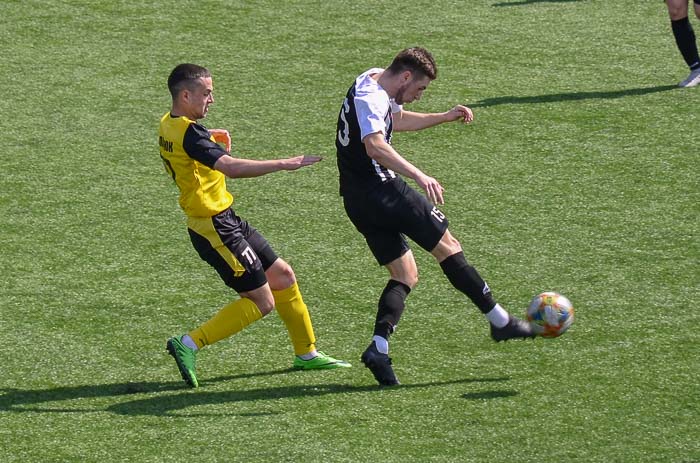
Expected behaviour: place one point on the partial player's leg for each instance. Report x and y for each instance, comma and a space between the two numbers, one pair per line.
428, 227
466, 279
295, 315
403, 274
685, 38
375, 217
220, 242
403, 278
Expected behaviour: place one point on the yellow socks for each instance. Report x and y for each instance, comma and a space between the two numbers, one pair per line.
228, 321
237, 315
293, 311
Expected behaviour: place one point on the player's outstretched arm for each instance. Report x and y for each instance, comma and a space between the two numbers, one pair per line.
405, 121
246, 168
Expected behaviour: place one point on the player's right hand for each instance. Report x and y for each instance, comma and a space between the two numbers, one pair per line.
433, 189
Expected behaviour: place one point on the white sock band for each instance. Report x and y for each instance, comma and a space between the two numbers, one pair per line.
498, 316
382, 344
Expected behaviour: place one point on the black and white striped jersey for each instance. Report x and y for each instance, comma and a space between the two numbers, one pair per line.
367, 109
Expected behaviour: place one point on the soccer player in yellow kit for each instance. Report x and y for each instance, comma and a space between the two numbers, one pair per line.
243, 258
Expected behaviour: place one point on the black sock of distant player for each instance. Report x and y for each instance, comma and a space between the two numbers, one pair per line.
465, 278
391, 305
685, 39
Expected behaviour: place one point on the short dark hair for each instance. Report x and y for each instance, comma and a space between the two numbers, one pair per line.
416, 59
184, 76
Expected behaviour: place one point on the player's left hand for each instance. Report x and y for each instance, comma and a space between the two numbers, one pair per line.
222, 136
462, 113
303, 160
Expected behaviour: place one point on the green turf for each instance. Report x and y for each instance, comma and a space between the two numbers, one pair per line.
579, 174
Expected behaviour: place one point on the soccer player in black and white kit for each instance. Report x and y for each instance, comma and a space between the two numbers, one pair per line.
386, 210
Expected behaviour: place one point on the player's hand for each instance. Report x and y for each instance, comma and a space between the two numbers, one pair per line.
298, 162
433, 189
222, 136
462, 113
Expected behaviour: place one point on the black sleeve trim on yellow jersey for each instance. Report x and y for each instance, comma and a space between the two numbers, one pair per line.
199, 146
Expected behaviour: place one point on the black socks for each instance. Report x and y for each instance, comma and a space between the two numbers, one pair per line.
391, 305
685, 39
465, 278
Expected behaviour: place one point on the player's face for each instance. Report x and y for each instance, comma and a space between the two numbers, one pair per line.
412, 89
201, 97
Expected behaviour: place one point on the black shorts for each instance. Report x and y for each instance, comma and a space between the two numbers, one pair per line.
238, 252
389, 213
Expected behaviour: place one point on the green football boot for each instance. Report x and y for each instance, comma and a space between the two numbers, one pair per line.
320, 362
185, 359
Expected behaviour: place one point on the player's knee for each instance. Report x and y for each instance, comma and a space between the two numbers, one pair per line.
280, 275
677, 12
286, 276
453, 245
448, 246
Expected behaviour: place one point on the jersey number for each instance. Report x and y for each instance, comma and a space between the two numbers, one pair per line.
439, 216
168, 167
344, 132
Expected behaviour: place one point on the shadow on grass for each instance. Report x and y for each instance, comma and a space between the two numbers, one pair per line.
169, 405
575, 96
17, 400
527, 2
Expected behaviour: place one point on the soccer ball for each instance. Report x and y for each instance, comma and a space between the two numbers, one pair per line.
550, 314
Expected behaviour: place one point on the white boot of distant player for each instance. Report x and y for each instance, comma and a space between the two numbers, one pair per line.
692, 80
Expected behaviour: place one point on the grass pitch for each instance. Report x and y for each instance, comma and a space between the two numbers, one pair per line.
578, 175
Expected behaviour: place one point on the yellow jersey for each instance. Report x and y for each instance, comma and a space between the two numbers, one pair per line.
189, 152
